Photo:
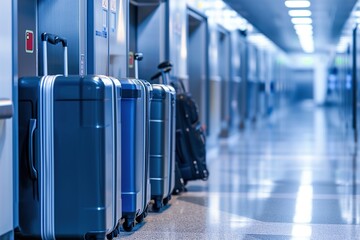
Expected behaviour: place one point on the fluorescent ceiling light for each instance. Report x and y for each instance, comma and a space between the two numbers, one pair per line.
300, 13
307, 43
357, 13
219, 4
229, 13
297, 4
304, 33
301, 20
306, 37
308, 50
213, 13
303, 27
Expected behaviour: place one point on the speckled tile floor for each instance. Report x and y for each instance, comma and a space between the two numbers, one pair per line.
293, 176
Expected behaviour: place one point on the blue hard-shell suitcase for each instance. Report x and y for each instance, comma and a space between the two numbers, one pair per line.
162, 144
69, 155
136, 97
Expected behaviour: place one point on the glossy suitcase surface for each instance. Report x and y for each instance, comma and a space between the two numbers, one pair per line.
162, 144
68, 156
69, 166
136, 96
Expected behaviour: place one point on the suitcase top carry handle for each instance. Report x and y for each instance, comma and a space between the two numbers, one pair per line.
54, 39
165, 68
166, 64
162, 73
157, 75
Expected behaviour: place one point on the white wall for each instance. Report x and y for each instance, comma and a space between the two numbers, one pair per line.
178, 38
6, 149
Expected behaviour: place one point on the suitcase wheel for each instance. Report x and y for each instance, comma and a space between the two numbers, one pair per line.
114, 233
140, 218
166, 200
158, 204
128, 225
94, 236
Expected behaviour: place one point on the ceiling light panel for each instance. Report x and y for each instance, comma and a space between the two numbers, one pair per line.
300, 13
297, 4
307, 33
304, 20
303, 27
300, 17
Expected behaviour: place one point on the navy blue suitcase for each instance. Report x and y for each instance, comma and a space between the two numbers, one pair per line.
69, 160
136, 97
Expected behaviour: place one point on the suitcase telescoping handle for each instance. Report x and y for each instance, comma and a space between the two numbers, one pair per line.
54, 39
137, 57
164, 70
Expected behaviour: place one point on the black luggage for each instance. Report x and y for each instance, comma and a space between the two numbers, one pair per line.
190, 137
69, 155
179, 185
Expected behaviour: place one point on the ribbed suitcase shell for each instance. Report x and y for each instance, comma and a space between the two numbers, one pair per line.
162, 144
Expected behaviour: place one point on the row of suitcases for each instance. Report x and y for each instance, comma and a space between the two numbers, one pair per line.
94, 150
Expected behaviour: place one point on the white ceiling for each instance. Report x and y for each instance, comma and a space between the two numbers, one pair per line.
271, 18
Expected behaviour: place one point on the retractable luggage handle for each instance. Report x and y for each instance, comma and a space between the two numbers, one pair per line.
54, 39
137, 57
164, 69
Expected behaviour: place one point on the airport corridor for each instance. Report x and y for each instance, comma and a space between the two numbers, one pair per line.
287, 177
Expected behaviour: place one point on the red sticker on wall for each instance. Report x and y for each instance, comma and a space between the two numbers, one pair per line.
29, 41
131, 59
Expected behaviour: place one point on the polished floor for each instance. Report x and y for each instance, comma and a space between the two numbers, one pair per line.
292, 176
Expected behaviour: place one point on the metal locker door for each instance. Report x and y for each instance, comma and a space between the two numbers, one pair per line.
6, 125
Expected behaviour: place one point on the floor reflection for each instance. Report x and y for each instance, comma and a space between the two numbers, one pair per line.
292, 176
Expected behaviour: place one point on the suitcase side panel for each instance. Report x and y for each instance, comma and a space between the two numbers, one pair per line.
29, 202
143, 137
118, 151
173, 138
